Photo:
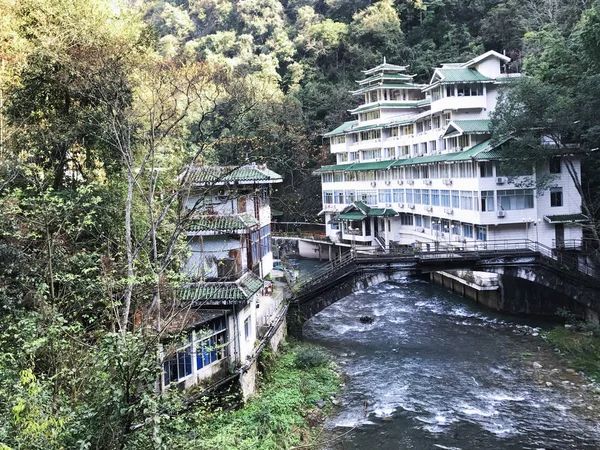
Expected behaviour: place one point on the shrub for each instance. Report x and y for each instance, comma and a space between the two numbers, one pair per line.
309, 357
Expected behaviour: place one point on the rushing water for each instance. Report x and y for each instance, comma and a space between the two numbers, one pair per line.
433, 371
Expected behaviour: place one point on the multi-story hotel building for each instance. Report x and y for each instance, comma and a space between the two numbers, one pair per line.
417, 166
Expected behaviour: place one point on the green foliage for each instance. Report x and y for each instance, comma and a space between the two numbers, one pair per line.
581, 345
276, 417
310, 357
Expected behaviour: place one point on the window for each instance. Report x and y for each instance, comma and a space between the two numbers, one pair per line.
338, 139
481, 232
487, 200
406, 219
327, 177
417, 195
513, 199
338, 197
327, 197
210, 343
371, 134
247, 328
334, 225
265, 240
398, 195
466, 200
366, 175
350, 196
455, 199
556, 197
445, 198
467, 230
350, 176
367, 197
385, 196
409, 196
435, 197
450, 91
178, 364
485, 169
425, 196
468, 90
371, 154
554, 165
338, 177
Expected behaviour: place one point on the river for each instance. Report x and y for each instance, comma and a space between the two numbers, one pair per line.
435, 371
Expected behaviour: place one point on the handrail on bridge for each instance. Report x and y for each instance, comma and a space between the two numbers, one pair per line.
458, 250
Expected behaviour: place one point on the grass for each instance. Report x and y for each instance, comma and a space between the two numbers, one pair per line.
581, 344
283, 414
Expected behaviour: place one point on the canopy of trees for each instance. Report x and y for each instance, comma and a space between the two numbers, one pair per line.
103, 103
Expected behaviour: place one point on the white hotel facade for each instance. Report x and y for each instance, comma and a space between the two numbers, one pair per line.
416, 167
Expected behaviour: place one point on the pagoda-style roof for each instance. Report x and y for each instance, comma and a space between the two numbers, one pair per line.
213, 224
484, 151
219, 175
385, 67
392, 104
475, 126
359, 211
222, 293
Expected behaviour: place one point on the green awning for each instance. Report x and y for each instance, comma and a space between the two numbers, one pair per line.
333, 168
566, 218
377, 165
240, 290
341, 129
461, 75
351, 216
382, 212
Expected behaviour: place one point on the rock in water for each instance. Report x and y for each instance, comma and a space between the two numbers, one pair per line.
366, 319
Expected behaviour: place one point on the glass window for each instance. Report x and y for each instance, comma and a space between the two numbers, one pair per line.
514, 199
445, 198
247, 328
417, 195
485, 169
435, 197
455, 199
425, 196
385, 196
398, 195
556, 197
481, 232
467, 230
328, 197
466, 200
487, 200
409, 196
554, 165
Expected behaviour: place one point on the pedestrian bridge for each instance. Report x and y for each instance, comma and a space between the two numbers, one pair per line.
548, 273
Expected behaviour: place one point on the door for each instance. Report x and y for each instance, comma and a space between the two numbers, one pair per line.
559, 230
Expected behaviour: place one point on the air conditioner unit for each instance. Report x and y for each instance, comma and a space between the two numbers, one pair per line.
429, 208
410, 182
501, 213
400, 182
373, 183
377, 159
388, 205
400, 205
501, 180
387, 183
422, 230
411, 206
427, 182
448, 210
447, 181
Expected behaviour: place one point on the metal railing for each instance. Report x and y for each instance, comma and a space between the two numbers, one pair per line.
456, 251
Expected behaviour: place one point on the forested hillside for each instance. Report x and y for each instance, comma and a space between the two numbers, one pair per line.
105, 103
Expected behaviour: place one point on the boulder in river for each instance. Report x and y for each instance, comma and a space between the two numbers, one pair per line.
366, 319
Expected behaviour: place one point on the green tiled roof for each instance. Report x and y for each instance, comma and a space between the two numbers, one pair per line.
387, 76
473, 126
221, 223
382, 212
367, 127
358, 211
411, 103
385, 66
243, 174
566, 218
371, 165
373, 87
482, 151
459, 75
343, 127
350, 216
224, 292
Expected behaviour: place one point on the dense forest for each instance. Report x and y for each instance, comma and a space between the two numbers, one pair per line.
104, 103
